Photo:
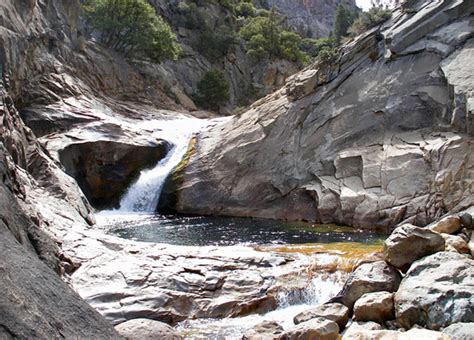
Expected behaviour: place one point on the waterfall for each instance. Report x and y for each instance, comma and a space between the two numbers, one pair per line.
144, 194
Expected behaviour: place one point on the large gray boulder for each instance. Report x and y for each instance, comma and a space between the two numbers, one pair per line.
409, 243
369, 277
437, 291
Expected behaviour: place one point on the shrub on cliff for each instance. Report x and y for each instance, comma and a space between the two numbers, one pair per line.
367, 20
131, 27
267, 36
213, 90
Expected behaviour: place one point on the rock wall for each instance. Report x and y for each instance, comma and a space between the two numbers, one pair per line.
312, 18
382, 135
35, 302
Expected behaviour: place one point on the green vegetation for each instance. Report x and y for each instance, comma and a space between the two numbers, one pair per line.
342, 22
267, 36
213, 90
131, 27
366, 20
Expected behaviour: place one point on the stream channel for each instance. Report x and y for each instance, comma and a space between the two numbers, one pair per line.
136, 220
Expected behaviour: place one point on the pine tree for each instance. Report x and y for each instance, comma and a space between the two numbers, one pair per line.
342, 22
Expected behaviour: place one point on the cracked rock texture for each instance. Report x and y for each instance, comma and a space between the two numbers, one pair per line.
381, 136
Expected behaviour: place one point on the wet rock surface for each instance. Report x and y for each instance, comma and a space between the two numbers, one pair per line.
437, 291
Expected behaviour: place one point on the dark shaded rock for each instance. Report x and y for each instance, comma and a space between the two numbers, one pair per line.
436, 292
409, 243
105, 169
369, 277
466, 220
147, 329
332, 311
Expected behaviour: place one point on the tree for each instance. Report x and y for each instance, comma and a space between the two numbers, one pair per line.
268, 36
342, 22
213, 90
366, 20
131, 27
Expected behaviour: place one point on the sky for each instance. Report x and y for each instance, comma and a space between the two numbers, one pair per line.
364, 4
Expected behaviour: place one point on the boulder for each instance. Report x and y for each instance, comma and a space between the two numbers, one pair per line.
409, 243
456, 243
147, 329
412, 334
460, 330
318, 328
466, 219
447, 225
332, 311
437, 291
357, 326
264, 330
376, 307
369, 277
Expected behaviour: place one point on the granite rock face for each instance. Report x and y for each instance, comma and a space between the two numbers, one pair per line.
379, 137
313, 18
368, 278
35, 302
408, 243
437, 291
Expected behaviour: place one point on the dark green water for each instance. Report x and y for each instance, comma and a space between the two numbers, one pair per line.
226, 231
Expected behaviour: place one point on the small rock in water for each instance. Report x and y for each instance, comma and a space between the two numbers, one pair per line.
409, 243
147, 329
376, 307
332, 311
412, 334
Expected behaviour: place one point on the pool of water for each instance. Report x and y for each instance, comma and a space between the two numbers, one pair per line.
226, 231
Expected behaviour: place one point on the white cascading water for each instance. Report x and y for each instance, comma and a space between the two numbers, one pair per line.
144, 194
